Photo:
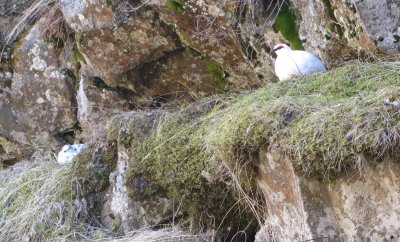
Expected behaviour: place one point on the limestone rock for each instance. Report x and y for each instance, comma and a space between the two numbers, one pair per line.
86, 15
111, 53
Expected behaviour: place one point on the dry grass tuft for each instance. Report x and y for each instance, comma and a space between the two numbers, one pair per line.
168, 234
32, 13
40, 202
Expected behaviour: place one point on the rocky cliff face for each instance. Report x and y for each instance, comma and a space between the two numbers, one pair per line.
84, 71
356, 206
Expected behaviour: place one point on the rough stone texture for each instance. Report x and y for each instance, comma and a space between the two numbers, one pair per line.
382, 22
120, 211
332, 30
86, 15
358, 206
115, 41
112, 49
179, 76
110, 53
42, 100
214, 36
96, 105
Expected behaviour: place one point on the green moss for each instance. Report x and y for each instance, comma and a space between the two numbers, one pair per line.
109, 3
286, 24
57, 43
217, 73
8, 83
92, 168
176, 5
77, 59
334, 26
174, 158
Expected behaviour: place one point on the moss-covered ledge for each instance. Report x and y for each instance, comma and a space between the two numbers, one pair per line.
206, 155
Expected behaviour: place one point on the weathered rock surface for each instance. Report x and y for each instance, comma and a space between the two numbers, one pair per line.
214, 37
382, 22
42, 101
181, 75
96, 104
120, 211
333, 30
360, 205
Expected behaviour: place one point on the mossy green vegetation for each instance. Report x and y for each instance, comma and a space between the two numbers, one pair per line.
168, 149
57, 43
286, 24
8, 83
208, 152
176, 5
93, 167
109, 3
217, 73
77, 60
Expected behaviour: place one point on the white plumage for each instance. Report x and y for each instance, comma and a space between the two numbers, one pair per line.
68, 152
290, 63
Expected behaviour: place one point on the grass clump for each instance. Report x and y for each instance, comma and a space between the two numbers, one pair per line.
208, 152
42, 202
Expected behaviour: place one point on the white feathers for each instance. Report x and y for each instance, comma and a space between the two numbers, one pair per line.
68, 152
290, 63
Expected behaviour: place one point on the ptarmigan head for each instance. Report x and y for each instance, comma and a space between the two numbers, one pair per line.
291, 63
281, 48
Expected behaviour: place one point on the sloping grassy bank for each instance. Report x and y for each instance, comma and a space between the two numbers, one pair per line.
207, 153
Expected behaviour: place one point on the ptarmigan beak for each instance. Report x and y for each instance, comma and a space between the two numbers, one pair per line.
277, 48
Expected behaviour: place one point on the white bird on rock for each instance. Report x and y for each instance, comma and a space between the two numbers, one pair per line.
68, 152
291, 63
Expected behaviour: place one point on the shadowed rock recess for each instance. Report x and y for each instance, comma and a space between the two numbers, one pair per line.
189, 135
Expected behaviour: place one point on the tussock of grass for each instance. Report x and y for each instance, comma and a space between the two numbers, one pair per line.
327, 124
40, 203
172, 234
44, 201
36, 9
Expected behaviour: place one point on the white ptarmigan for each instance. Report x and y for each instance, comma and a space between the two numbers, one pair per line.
290, 63
68, 152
